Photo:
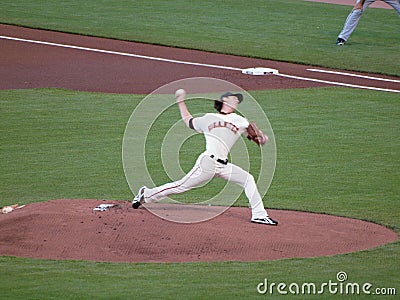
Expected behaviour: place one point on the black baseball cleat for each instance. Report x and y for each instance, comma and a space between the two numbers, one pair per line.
139, 198
266, 221
340, 42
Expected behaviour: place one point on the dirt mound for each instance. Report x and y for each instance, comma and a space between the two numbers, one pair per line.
70, 229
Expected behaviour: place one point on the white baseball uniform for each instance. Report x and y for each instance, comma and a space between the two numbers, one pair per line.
221, 131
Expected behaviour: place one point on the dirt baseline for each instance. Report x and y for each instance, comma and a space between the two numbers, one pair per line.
29, 65
70, 229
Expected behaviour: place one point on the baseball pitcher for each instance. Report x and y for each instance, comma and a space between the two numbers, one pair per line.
221, 131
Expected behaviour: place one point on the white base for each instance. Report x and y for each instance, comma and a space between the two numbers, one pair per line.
259, 71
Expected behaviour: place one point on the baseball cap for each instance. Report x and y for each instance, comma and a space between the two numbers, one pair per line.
238, 95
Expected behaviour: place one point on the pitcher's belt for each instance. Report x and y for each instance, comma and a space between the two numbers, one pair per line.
221, 161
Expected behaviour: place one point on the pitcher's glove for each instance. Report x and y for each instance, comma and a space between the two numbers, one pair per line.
255, 134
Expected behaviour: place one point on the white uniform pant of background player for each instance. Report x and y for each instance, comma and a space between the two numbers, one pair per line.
355, 15
204, 169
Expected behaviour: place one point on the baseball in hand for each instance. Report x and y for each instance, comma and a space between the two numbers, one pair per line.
180, 92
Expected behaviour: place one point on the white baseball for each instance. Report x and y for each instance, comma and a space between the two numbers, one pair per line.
180, 92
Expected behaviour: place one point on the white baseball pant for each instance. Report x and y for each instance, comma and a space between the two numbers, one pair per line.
204, 169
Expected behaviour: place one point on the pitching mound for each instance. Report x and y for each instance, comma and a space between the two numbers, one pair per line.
70, 229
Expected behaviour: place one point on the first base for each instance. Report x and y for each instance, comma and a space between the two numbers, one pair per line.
260, 71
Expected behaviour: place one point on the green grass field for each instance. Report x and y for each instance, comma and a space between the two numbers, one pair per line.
337, 147
337, 154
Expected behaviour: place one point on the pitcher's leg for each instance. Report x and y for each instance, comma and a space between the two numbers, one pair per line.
202, 171
186, 183
243, 178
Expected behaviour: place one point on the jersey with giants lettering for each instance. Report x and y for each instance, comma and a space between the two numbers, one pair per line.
221, 131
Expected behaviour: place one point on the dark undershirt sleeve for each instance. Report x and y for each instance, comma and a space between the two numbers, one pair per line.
191, 124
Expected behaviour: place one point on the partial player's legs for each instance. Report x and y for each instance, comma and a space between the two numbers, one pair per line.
203, 170
351, 22
243, 178
395, 4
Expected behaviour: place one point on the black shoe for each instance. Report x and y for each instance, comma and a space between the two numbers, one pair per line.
266, 221
139, 198
340, 42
